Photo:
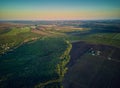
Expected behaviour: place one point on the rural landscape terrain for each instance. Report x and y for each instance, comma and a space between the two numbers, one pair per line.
60, 54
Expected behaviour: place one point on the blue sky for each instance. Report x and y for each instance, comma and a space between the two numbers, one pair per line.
59, 9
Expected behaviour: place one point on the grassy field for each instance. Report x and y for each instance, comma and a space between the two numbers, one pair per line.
15, 31
112, 39
32, 63
10, 38
39, 59
37, 55
103, 38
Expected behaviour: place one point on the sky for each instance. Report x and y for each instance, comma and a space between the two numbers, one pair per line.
59, 9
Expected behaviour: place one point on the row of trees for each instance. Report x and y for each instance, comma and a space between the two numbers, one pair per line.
61, 68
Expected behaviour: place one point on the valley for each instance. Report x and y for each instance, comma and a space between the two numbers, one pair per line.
60, 54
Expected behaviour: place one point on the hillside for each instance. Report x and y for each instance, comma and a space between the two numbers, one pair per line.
58, 54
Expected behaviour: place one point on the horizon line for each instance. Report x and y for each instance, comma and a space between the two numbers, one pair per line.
55, 20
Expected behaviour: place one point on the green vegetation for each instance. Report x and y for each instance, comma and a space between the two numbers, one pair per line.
60, 68
65, 57
112, 39
33, 63
15, 31
37, 56
14, 37
103, 38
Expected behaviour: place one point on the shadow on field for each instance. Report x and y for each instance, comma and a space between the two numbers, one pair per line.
89, 69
